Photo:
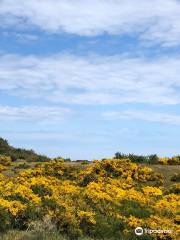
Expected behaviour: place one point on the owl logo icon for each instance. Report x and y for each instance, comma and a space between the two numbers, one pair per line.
139, 231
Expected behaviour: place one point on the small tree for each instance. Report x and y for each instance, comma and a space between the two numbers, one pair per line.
120, 155
153, 159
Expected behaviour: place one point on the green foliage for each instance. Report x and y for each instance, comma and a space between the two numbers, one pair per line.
176, 177
22, 166
18, 153
32, 213
17, 197
136, 158
107, 227
144, 237
67, 160
135, 209
49, 203
174, 160
150, 159
85, 162
153, 159
175, 188
5, 160
41, 190
32, 235
4, 220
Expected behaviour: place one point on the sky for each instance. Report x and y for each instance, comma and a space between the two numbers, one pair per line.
85, 79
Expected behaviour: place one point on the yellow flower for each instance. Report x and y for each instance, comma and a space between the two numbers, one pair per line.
88, 216
134, 222
152, 191
14, 207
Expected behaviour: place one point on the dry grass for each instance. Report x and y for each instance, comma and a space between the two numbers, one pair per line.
167, 171
30, 235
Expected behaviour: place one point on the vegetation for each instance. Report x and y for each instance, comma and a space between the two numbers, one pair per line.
176, 177
104, 200
32, 235
151, 159
18, 153
107, 199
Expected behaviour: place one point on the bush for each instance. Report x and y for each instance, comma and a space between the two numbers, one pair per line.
174, 160
134, 208
5, 161
153, 159
107, 227
175, 188
22, 166
19, 153
132, 157
5, 220
41, 191
31, 213
85, 162
175, 177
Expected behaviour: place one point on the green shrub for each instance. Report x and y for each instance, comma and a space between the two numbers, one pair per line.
175, 188
85, 162
134, 208
41, 191
174, 160
5, 220
107, 228
22, 166
175, 177
19, 153
49, 203
31, 213
153, 159
17, 197
5, 161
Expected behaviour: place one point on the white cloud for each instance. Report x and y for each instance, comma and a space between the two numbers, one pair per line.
40, 136
155, 20
92, 79
144, 115
33, 113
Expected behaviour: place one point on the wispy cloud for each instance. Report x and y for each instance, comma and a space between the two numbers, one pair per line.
144, 115
33, 113
155, 21
91, 80
21, 37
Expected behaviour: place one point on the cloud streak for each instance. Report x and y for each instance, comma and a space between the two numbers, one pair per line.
143, 115
33, 113
156, 21
91, 80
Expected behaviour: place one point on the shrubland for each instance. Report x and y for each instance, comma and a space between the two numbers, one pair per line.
150, 159
105, 199
19, 153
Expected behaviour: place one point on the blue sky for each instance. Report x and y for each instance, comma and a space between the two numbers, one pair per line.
85, 79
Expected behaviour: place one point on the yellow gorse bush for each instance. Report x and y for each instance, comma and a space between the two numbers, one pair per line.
5, 161
82, 202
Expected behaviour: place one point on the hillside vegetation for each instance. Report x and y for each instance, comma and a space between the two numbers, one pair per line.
19, 153
105, 199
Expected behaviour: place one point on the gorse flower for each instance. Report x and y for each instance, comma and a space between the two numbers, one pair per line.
105, 197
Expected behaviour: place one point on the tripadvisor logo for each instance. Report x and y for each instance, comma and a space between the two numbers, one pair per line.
139, 231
